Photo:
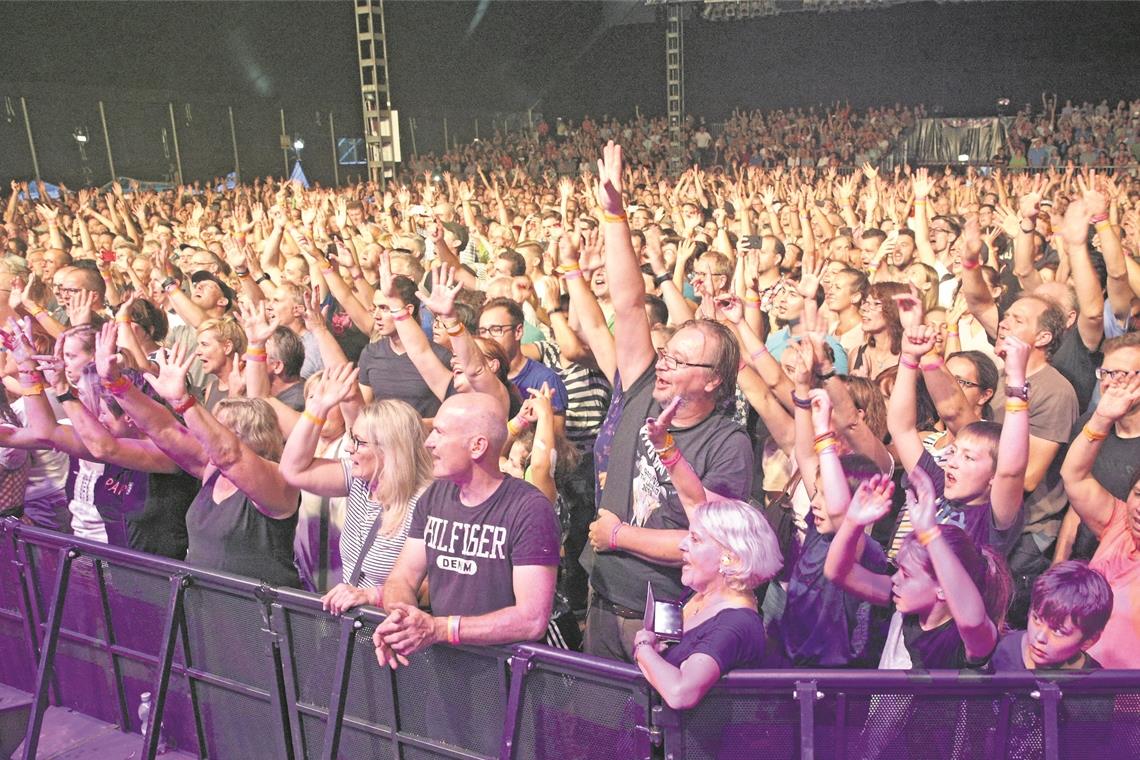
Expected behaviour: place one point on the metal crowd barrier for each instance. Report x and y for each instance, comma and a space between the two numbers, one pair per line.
243, 670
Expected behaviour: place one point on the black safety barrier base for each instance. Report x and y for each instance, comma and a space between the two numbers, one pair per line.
237, 669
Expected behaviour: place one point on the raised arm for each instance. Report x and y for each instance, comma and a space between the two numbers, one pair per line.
979, 299
902, 418
585, 306
627, 287
1090, 294
1088, 497
870, 503
1008, 490
922, 186
300, 468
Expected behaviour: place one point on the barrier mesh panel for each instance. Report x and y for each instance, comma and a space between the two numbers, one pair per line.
225, 636
41, 575
454, 696
9, 577
83, 608
900, 726
367, 699
237, 725
178, 713
138, 603
315, 641
1092, 724
563, 715
17, 665
85, 682
728, 725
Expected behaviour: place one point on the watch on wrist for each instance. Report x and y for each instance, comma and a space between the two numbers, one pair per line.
170, 283
826, 375
661, 279
67, 395
1018, 391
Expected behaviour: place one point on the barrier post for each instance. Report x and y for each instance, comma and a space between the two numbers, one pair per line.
178, 585
109, 648
807, 694
348, 629
520, 665
1050, 697
47, 654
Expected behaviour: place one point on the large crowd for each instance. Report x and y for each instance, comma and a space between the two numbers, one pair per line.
869, 419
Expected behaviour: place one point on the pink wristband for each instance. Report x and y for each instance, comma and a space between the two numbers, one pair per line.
613, 536
907, 362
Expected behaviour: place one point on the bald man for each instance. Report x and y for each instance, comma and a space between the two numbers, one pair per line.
487, 543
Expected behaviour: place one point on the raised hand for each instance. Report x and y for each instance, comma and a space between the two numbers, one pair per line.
1119, 397
314, 313
173, 365
610, 179
922, 183
258, 327
81, 307
1015, 352
922, 513
910, 308
820, 410
872, 501
731, 307
1075, 228
108, 360
336, 385
444, 288
919, 340
657, 428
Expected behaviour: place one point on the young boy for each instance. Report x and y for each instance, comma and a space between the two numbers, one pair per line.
1069, 608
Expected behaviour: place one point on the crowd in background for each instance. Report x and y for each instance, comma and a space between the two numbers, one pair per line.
847, 419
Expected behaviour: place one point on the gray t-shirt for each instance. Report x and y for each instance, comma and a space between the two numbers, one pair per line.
639, 490
392, 375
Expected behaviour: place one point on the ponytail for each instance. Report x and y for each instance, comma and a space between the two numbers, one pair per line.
986, 568
997, 587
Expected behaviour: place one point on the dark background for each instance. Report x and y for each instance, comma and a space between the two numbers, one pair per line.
469, 61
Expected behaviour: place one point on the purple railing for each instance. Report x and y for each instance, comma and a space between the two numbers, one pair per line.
239, 669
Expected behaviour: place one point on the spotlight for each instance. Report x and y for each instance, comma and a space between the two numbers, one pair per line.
298, 144
80, 135
963, 157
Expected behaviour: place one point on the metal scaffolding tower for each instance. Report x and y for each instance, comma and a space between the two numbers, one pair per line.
675, 81
381, 128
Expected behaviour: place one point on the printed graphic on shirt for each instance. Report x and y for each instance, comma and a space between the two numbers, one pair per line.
651, 483
461, 544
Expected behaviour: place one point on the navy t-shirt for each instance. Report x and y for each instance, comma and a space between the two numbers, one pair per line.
823, 625
977, 521
734, 638
472, 551
534, 375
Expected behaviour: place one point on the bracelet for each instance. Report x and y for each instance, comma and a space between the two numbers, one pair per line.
829, 449
826, 443
263, 278
34, 311
67, 395
241, 272
1098, 218
123, 320
928, 535
400, 315
801, 403
117, 387
256, 357
637, 646
1093, 435
314, 419
751, 303
608, 217
327, 271
573, 274
36, 389
661, 279
254, 350
971, 263
1026, 231
454, 330
1016, 405
669, 443
613, 536
516, 425
670, 457
825, 435
181, 407
755, 355
908, 362
951, 333
453, 629
918, 201
931, 366
568, 270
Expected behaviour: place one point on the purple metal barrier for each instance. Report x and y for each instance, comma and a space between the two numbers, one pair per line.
238, 669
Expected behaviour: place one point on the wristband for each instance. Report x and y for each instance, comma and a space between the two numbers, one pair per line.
1026, 231
1016, 405
117, 387
661, 279
181, 407
951, 333
931, 366
908, 362
755, 355
400, 315
751, 303
828, 449
34, 311
608, 217
568, 270
669, 443
613, 536
1092, 435
920, 201
824, 435
36, 389
314, 419
516, 425
670, 457
454, 330
123, 320
971, 263
453, 629
801, 403
1097, 219
241, 272
256, 357
263, 278
254, 350
327, 272
67, 395
826, 443
928, 535
573, 274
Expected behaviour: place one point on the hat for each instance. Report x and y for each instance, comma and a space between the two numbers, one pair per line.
227, 291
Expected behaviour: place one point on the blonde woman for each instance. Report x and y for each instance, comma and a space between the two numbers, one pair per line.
386, 471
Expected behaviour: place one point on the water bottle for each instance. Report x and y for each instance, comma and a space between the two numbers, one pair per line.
145, 703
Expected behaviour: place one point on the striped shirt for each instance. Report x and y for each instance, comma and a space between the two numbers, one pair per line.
587, 393
360, 512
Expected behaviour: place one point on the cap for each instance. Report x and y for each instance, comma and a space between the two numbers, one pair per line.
227, 291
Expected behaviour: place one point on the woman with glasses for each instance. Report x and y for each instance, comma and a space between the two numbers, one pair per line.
883, 330
386, 470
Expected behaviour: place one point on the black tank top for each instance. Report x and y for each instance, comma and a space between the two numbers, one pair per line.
234, 537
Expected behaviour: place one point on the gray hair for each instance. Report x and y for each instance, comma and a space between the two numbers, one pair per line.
744, 532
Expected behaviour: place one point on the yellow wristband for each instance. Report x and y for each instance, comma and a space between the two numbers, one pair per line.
608, 217
317, 421
1016, 405
925, 537
1093, 435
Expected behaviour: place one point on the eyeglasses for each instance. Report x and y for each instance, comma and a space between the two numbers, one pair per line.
356, 443
943, 230
696, 276
386, 309
67, 291
1114, 374
965, 384
494, 330
871, 306
670, 362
